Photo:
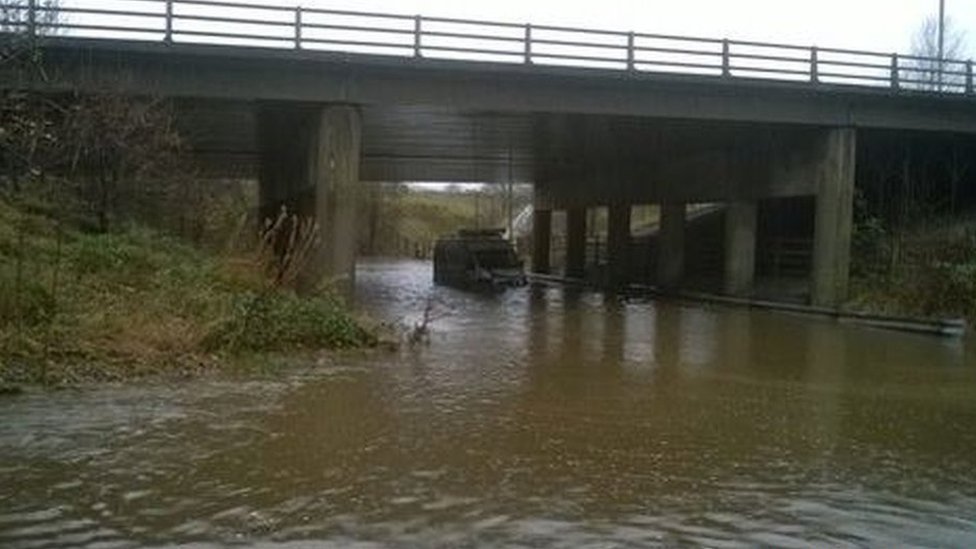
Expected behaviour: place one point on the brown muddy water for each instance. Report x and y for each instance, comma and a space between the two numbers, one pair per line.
539, 417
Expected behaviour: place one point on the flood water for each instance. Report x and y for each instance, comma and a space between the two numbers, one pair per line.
539, 417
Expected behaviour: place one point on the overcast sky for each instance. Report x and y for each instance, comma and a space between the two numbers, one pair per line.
882, 25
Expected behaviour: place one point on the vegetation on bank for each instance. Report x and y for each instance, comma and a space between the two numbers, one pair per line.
930, 271
133, 302
119, 259
914, 244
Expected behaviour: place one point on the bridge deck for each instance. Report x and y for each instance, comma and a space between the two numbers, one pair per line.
434, 110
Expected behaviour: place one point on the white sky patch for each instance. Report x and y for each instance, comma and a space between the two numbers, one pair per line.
443, 187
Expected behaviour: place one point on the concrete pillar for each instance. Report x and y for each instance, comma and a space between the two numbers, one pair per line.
309, 164
618, 243
337, 158
541, 240
576, 242
671, 246
740, 248
834, 218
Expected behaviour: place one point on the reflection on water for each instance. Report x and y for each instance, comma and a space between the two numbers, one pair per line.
542, 416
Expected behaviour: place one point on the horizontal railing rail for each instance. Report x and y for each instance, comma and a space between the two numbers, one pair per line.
228, 22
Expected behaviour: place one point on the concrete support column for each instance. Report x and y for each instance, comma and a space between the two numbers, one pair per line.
309, 164
740, 248
576, 242
671, 246
834, 218
541, 240
336, 160
618, 243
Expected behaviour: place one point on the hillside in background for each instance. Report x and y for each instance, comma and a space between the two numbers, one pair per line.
400, 220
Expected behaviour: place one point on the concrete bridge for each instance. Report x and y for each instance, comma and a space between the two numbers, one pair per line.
312, 102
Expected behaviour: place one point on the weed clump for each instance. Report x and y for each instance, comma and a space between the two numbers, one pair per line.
929, 272
284, 320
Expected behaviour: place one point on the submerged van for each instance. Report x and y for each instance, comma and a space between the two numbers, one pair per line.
477, 258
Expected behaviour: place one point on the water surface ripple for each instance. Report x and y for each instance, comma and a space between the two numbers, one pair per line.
539, 417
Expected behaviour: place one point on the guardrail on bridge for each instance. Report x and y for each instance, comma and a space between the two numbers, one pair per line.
300, 28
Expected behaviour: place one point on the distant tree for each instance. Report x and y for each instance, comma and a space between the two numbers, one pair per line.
924, 70
18, 49
26, 119
15, 16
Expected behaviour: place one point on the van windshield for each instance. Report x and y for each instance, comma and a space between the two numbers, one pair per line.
496, 259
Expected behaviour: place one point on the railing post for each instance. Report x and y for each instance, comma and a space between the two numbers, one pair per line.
895, 84
630, 52
814, 69
298, 27
168, 37
32, 18
726, 62
969, 77
417, 31
528, 43
940, 75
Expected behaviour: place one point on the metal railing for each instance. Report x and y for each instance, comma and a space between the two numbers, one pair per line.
300, 28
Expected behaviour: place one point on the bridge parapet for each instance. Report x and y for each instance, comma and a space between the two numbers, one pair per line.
414, 36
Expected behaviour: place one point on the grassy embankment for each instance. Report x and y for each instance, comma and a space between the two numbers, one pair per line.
133, 303
402, 221
424, 215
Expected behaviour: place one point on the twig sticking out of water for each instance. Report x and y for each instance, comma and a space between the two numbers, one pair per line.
420, 332
421, 329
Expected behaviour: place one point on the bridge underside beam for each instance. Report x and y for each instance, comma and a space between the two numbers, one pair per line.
752, 165
309, 167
